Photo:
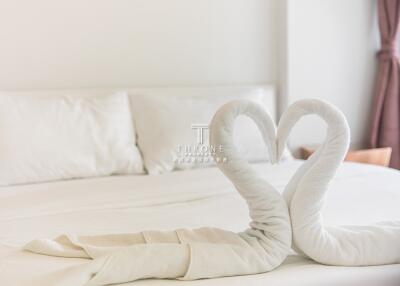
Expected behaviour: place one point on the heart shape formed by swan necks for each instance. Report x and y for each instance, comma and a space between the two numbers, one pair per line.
209, 252
305, 193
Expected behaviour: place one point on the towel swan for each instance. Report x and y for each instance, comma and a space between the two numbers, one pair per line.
332, 245
190, 254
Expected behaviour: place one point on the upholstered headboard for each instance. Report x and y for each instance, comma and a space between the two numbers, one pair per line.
268, 91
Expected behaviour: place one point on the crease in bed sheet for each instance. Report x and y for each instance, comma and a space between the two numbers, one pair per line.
172, 200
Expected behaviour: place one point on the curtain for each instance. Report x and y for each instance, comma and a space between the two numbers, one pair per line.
385, 128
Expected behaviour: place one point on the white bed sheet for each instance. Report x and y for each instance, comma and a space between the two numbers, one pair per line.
193, 198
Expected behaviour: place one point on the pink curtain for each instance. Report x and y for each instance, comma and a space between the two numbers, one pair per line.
385, 131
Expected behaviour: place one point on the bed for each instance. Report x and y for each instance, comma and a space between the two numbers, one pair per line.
188, 198
120, 204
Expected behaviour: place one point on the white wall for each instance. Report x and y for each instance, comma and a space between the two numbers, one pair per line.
312, 48
331, 56
104, 43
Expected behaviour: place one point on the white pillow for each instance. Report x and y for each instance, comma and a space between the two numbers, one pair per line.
58, 136
167, 124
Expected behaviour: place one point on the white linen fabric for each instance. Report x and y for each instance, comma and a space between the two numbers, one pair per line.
160, 202
355, 245
53, 137
192, 254
185, 199
167, 136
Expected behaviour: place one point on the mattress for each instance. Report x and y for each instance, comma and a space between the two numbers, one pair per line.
360, 194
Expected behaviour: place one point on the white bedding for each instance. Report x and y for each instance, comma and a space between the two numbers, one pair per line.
174, 200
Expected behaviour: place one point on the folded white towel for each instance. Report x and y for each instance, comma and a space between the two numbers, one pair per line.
333, 245
190, 254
